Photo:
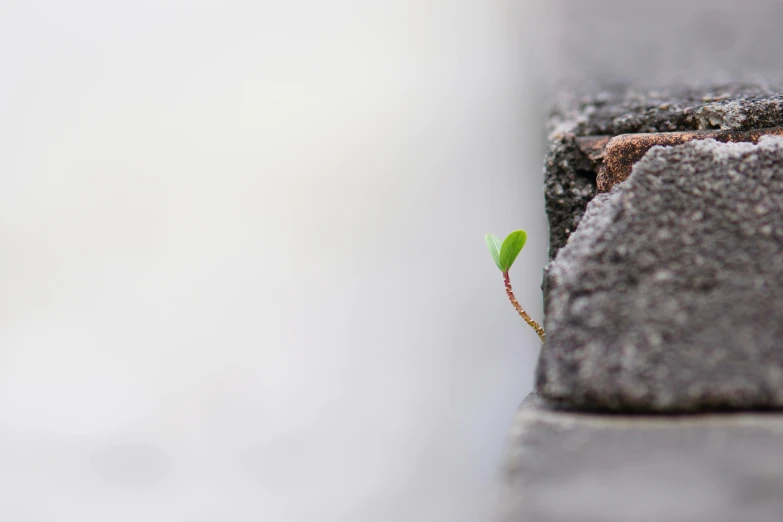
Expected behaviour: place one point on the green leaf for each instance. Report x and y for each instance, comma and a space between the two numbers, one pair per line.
493, 243
511, 248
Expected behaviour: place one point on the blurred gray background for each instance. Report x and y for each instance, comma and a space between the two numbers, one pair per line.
659, 42
243, 273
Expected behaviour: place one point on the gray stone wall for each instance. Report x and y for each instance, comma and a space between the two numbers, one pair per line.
660, 385
663, 314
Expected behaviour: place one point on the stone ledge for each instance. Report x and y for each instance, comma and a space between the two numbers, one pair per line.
566, 466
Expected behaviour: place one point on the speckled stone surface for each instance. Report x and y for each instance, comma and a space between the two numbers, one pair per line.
570, 176
669, 296
575, 467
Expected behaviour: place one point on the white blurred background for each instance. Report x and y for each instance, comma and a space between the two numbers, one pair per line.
243, 272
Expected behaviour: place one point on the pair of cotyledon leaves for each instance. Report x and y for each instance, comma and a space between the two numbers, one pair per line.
505, 253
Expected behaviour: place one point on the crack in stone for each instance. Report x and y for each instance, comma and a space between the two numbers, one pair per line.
614, 157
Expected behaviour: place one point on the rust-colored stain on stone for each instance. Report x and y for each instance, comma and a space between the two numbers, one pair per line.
618, 154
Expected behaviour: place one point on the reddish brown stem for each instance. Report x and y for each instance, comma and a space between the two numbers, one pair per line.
529, 320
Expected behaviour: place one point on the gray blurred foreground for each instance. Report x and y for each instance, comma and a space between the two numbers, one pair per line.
567, 466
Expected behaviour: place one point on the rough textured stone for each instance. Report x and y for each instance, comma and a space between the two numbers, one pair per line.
569, 185
570, 181
622, 110
668, 296
576, 467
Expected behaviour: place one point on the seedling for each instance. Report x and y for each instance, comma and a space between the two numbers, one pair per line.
505, 254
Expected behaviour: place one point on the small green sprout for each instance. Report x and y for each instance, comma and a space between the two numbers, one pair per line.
505, 254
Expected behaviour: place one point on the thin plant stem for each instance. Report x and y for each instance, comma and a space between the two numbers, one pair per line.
529, 320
